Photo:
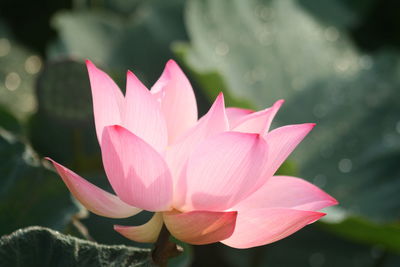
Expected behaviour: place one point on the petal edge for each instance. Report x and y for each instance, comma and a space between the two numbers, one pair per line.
258, 122
92, 197
108, 100
264, 226
288, 192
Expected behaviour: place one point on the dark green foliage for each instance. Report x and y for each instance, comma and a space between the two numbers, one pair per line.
30, 194
38, 246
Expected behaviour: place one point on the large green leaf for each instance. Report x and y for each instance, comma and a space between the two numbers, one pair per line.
37, 246
354, 150
260, 55
30, 194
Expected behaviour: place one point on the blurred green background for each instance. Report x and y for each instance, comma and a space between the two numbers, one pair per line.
336, 63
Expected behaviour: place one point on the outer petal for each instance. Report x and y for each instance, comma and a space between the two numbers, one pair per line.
236, 114
257, 122
213, 122
200, 227
138, 174
257, 227
146, 233
178, 102
143, 115
222, 171
281, 142
108, 100
92, 197
287, 192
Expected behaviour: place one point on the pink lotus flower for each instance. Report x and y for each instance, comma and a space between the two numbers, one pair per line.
208, 180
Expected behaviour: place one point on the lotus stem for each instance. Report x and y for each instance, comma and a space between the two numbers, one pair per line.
165, 249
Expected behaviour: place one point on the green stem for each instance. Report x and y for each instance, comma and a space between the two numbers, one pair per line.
165, 249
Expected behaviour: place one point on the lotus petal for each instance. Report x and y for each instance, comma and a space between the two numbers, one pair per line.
143, 115
145, 233
137, 172
108, 100
200, 227
236, 114
257, 122
213, 122
178, 102
92, 197
281, 142
287, 192
257, 227
222, 171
